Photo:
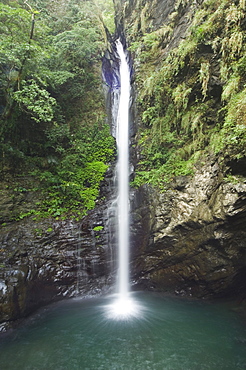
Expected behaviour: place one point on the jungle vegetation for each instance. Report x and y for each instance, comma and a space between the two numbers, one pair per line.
191, 86
190, 94
53, 136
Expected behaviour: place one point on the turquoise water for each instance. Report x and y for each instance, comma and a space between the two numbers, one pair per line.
169, 334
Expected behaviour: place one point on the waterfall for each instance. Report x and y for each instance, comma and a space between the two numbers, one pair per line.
124, 306
122, 138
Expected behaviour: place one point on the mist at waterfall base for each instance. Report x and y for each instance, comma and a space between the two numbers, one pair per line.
170, 333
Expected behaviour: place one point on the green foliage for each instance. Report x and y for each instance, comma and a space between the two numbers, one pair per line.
19, 52
180, 96
183, 114
175, 166
234, 129
35, 100
230, 87
51, 103
98, 228
204, 77
72, 186
231, 139
105, 11
79, 45
232, 179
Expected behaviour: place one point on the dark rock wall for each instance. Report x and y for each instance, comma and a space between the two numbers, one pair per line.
36, 265
44, 260
197, 237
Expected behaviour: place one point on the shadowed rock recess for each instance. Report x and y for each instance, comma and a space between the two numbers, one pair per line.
188, 228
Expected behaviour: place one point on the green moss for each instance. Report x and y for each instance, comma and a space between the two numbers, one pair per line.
184, 114
98, 228
232, 179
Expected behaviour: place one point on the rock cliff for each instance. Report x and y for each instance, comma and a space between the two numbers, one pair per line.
45, 260
197, 237
192, 239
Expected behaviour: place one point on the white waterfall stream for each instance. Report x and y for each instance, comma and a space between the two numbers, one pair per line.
123, 306
122, 138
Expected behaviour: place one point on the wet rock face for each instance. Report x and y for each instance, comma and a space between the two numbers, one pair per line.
47, 260
197, 237
37, 266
